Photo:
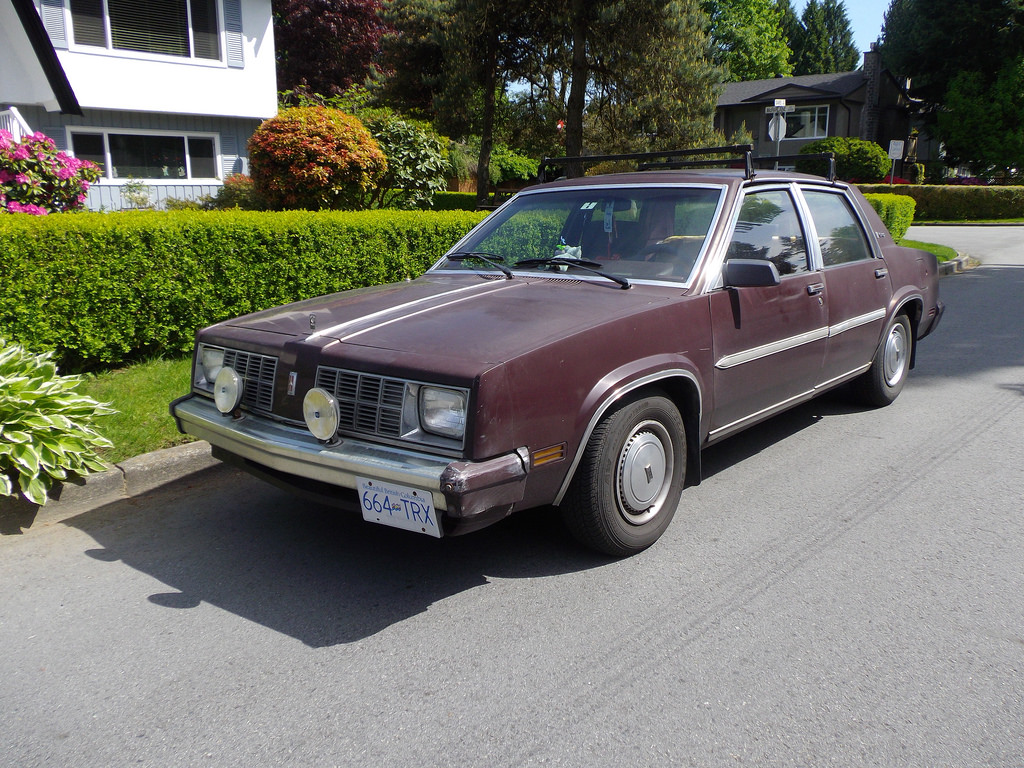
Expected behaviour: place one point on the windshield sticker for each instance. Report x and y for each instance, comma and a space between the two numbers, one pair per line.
588, 206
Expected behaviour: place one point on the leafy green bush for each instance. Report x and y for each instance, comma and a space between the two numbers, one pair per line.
416, 163
509, 165
237, 192
896, 212
506, 164
956, 203
314, 158
856, 159
46, 433
101, 289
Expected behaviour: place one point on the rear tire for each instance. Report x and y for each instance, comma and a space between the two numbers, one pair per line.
629, 481
884, 381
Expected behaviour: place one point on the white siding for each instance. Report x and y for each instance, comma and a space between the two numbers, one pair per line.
124, 80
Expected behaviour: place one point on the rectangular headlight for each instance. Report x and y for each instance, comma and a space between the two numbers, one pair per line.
443, 412
209, 361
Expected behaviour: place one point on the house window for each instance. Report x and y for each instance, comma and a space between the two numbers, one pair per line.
807, 123
186, 28
156, 157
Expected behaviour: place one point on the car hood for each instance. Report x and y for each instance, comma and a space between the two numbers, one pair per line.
470, 318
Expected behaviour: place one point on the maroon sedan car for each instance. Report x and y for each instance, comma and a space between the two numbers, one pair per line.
578, 348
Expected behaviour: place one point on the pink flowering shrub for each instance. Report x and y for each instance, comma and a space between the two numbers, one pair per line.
35, 178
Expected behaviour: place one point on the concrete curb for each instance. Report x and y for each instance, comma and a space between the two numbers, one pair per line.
131, 477
954, 266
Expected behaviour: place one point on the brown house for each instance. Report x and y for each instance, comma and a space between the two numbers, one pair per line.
868, 103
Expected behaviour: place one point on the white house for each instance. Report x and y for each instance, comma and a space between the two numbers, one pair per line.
166, 93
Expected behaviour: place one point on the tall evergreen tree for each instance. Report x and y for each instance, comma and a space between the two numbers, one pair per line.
826, 43
657, 84
789, 25
748, 38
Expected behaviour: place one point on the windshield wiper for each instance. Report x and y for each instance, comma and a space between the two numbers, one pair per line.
567, 261
491, 259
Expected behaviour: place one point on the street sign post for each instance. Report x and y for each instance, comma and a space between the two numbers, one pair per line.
777, 122
895, 153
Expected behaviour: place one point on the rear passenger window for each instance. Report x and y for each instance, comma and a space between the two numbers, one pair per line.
768, 229
840, 235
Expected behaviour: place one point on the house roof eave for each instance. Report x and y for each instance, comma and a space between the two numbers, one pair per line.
63, 93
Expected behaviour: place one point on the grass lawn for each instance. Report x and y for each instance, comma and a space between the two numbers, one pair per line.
141, 395
942, 252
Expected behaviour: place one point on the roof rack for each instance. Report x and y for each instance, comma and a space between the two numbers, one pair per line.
672, 159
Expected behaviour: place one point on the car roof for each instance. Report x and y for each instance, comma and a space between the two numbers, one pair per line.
716, 176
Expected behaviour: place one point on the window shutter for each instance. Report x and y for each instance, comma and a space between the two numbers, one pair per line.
53, 20
229, 154
233, 33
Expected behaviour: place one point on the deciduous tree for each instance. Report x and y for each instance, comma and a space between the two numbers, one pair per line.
964, 61
749, 39
325, 45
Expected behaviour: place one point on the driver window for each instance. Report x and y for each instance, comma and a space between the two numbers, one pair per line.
768, 228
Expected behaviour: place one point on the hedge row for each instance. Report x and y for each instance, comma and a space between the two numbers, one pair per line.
937, 202
896, 211
103, 289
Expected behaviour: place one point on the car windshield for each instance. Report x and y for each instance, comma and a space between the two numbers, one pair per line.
646, 233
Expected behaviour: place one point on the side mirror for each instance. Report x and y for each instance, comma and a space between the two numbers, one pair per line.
749, 273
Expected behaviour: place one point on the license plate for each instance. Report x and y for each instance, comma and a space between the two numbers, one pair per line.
398, 506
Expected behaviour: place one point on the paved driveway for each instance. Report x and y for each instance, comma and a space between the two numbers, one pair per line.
993, 246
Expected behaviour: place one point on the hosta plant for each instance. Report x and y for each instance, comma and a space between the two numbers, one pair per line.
46, 433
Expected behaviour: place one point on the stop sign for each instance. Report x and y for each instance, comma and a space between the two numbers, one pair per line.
777, 128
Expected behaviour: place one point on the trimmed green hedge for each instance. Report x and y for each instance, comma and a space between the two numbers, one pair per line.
945, 202
103, 289
896, 211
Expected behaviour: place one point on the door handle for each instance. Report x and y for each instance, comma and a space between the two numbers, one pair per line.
815, 288
881, 272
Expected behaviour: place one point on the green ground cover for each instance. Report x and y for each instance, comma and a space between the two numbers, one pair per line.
140, 394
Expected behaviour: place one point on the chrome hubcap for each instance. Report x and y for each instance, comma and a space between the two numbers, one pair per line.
646, 464
895, 355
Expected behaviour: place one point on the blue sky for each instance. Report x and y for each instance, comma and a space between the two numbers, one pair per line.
865, 16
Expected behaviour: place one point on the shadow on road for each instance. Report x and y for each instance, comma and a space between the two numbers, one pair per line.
316, 574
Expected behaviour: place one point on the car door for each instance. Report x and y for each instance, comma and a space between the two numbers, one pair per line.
857, 284
769, 342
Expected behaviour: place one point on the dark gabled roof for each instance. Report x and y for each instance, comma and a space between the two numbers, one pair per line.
804, 87
47, 57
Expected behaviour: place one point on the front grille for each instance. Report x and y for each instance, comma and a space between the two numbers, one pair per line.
257, 371
368, 404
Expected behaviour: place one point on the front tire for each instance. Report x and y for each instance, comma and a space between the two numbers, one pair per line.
629, 481
884, 381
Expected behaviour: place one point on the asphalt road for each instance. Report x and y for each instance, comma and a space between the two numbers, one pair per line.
845, 588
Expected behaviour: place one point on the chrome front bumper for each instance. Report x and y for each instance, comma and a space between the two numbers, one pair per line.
460, 489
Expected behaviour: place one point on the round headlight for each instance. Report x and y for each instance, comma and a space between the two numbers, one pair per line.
227, 390
320, 410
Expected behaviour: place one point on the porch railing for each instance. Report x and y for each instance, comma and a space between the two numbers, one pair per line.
12, 122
